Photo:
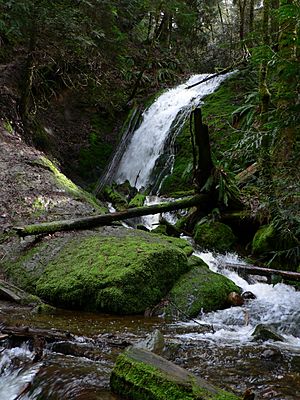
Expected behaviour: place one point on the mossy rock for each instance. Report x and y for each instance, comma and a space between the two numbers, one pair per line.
264, 332
141, 375
264, 240
122, 272
137, 201
199, 289
214, 235
117, 199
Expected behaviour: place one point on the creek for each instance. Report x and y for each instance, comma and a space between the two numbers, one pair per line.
79, 367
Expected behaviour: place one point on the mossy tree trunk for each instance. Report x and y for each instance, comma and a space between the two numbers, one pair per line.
107, 219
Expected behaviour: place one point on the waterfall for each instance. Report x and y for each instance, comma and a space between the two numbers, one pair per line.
164, 118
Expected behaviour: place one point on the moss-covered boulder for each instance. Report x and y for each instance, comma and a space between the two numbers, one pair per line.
264, 240
214, 235
137, 201
113, 270
199, 289
141, 375
117, 199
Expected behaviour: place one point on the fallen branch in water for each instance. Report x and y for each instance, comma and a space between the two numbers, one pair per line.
254, 270
107, 219
224, 71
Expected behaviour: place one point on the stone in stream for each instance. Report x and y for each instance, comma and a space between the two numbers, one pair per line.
141, 375
154, 342
235, 299
264, 332
197, 290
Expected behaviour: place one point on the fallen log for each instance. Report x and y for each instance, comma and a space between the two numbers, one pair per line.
25, 333
106, 219
269, 272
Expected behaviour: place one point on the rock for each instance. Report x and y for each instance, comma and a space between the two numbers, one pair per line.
248, 295
197, 290
264, 240
264, 332
113, 270
139, 374
235, 299
137, 201
271, 355
214, 235
154, 342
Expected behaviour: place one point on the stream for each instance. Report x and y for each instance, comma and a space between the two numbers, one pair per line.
79, 366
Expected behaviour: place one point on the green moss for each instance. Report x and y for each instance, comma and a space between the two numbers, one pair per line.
70, 187
214, 235
119, 275
8, 126
115, 197
137, 201
217, 112
264, 240
139, 375
199, 289
181, 178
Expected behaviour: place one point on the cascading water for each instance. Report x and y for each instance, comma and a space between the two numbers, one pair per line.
164, 117
277, 306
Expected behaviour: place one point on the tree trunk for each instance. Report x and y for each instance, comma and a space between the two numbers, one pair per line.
253, 270
204, 164
263, 86
107, 219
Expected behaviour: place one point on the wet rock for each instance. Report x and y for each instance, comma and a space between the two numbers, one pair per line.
271, 355
248, 295
214, 235
235, 299
199, 289
139, 374
264, 332
113, 270
154, 342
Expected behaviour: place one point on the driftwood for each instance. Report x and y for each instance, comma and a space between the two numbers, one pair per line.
25, 333
254, 270
107, 219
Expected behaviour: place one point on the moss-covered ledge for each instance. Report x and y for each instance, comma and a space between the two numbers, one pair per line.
141, 375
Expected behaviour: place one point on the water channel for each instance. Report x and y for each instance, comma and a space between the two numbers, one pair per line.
79, 366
